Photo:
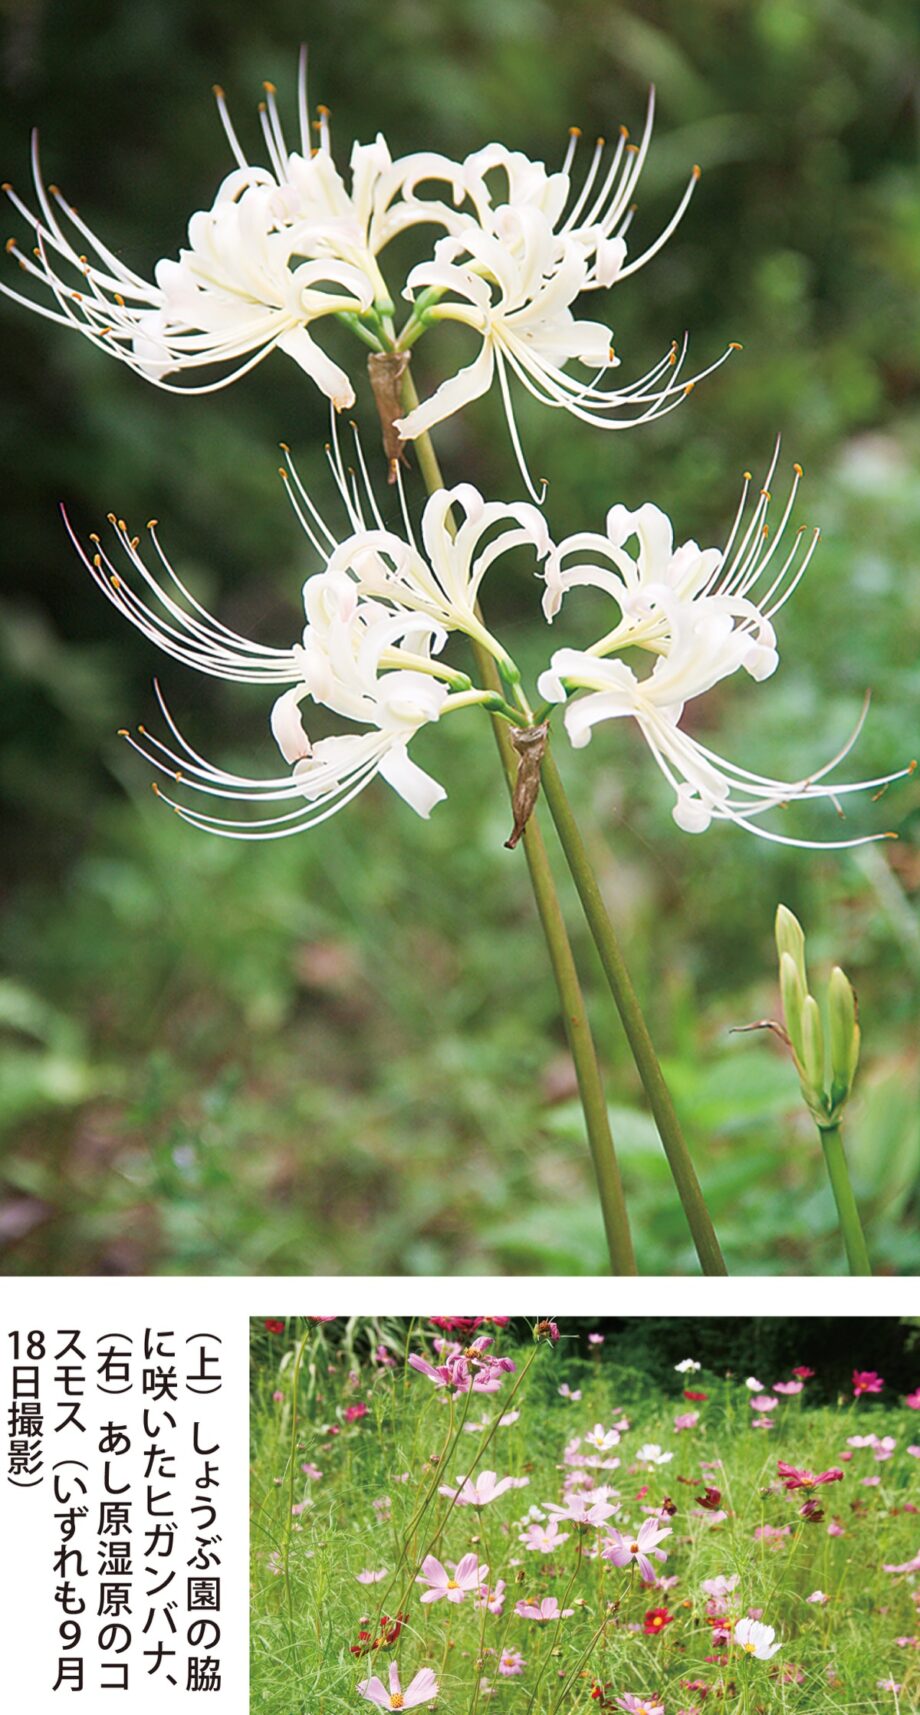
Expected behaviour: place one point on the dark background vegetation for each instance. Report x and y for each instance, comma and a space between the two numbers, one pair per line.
342, 1053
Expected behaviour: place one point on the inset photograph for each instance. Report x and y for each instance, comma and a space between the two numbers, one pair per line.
659, 1516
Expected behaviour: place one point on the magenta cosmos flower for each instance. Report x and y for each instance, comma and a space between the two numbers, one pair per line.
479, 1491
629, 1550
422, 1689
511, 1661
913, 1399
795, 1479
453, 1584
548, 1609
472, 1367
866, 1381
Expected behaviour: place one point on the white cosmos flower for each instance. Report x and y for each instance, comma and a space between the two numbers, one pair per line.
652, 1454
694, 609
756, 1639
602, 1438
280, 248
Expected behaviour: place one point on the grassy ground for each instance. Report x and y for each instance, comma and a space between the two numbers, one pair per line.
333, 1498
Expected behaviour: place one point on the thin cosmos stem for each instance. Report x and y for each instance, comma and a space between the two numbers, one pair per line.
637, 1033
850, 1224
574, 1015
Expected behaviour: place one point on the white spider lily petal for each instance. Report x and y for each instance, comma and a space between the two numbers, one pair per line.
703, 648
514, 286
281, 247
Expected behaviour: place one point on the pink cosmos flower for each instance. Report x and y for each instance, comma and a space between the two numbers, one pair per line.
629, 1550
453, 1584
422, 1689
913, 1451
906, 1565
795, 1479
463, 1369
762, 1423
888, 1685
640, 1705
913, 1399
686, 1420
548, 1609
511, 1661
595, 1339
570, 1393
312, 1471
479, 1491
352, 1413
371, 1577
590, 1509
278, 1396
866, 1381
835, 1528
763, 1402
818, 1598
788, 1387
544, 1539
771, 1532
492, 1597
721, 1586
884, 1448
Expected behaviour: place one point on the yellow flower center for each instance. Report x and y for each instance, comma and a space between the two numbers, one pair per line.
452, 1584
396, 1699
749, 1649
634, 1548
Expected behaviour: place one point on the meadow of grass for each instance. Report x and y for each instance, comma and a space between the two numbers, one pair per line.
352, 1447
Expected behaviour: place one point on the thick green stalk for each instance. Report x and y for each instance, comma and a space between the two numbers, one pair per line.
839, 1176
574, 1015
627, 1002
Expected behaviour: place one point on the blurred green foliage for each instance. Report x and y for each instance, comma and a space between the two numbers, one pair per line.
342, 1053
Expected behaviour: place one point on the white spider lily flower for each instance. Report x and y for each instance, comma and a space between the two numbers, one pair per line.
644, 583
280, 248
704, 646
596, 216
514, 286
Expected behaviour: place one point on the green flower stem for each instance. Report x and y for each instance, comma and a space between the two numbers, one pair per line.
839, 1176
627, 1002
574, 1016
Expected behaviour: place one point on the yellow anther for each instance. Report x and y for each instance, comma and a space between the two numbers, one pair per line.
218, 91
97, 561
574, 130
269, 88
152, 523
10, 245
624, 132
747, 476
798, 470
697, 171
115, 581
735, 345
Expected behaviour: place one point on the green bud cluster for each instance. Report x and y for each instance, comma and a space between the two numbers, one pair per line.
814, 1053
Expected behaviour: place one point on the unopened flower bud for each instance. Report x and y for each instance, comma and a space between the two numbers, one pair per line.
844, 1034
790, 938
813, 1051
793, 993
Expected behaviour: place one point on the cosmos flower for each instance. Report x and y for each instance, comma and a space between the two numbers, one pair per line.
601, 1438
698, 613
755, 1639
651, 1454
655, 1621
544, 1539
637, 1705
591, 1509
687, 1366
546, 1609
371, 1577
453, 1582
686, 1420
482, 1490
423, 1688
572, 1394
627, 1550
721, 1586
788, 1388
511, 1662
796, 1479
866, 1381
